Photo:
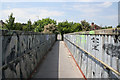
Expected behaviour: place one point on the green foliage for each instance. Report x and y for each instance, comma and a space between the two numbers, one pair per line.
3, 27
18, 26
107, 27
38, 29
118, 26
10, 25
10, 22
29, 26
0, 27
76, 27
64, 27
85, 25
39, 25
68, 27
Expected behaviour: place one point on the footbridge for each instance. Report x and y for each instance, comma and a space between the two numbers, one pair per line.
81, 55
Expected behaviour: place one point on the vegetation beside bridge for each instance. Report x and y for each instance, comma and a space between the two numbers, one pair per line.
48, 25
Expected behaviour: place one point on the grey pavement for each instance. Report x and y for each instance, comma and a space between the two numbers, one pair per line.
58, 64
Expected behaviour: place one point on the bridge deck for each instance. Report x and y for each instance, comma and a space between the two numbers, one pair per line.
58, 64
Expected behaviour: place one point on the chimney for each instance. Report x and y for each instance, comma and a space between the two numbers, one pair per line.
92, 24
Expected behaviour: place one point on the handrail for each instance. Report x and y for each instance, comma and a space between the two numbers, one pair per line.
112, 31
118, 73
93, 34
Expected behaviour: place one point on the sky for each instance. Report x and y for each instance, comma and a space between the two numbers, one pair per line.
104, 13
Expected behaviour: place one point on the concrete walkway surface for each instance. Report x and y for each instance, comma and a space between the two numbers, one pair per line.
58, 64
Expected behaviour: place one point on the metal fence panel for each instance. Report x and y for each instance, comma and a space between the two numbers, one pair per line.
105, 48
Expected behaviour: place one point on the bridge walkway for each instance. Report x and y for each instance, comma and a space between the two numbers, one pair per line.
58, 63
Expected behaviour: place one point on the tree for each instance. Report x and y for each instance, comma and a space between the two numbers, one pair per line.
10, 22
106, 27
3, 25
85, 25
29, 25
39, 25
64, 27
50, 28
118, 26
18, 26
38, 29
76, 27
68, 27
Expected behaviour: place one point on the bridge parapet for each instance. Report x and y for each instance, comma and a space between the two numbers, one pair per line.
96, 52
22, 51
113, 31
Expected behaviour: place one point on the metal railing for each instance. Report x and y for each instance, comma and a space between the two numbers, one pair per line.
93, 55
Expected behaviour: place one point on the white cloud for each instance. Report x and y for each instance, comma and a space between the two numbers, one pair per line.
86, 8
105, 4
23, 14
92, 12
110, 17
90, 9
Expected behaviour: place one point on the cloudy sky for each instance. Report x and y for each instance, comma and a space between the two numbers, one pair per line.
102, 13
